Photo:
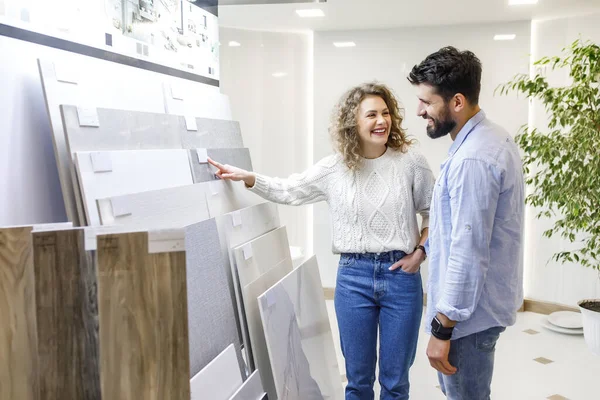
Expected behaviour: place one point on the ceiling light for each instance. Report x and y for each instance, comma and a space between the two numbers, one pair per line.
344, 44
310, 13
505, 37
234, 44
521, 2
279, 74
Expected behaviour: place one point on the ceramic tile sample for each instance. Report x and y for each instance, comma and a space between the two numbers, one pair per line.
212, 134
226, 196
203, 172
255, 258
251, 389
235, 229
75, 80
211, 313
219, 379
299, 337
66, 82
172, 207
184, 97
18, 339
142, 307
112, 173
258, 345
67, 316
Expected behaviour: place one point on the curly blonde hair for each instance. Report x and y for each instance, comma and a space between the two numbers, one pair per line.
344, 122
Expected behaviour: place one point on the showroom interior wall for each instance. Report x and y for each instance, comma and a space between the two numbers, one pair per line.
388, 56
551, 281
271, 98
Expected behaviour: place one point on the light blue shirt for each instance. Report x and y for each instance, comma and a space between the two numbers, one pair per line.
475, 240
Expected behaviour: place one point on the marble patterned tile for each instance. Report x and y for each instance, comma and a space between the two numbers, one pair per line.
299, 337
255, 258
204, 172
213, 134
219, 379
171, 207
258, 345
252, 389
113, 173
237, 228
211, 312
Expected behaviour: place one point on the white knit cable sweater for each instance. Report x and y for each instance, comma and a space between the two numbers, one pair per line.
373, 209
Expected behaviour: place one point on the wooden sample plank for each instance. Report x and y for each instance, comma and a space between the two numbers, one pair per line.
67, 316
219, 379
211, 313
212, 134
163, 208
113, 173
203, 172
144, 352
18, 339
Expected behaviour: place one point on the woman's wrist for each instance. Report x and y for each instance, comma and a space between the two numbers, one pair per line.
250, 180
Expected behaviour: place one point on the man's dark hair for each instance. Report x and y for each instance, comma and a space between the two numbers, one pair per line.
450, 71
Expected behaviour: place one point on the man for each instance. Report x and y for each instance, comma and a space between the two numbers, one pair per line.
475, 237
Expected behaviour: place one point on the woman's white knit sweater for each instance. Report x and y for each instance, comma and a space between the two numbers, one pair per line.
373, 209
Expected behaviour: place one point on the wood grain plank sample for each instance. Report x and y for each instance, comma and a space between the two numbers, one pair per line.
67, 316
18, 340
211, 318
113, 173
144, 352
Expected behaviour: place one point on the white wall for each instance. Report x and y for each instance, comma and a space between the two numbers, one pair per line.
545, 279
388, 56
274, 112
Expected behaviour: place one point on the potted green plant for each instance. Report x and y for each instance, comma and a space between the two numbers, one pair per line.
562, 165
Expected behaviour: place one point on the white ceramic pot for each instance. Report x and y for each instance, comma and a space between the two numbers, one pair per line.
591, 327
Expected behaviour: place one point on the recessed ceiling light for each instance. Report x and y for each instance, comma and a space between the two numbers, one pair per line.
505, 37
521, 2
310, 13
234, 44
279, 74
344, 44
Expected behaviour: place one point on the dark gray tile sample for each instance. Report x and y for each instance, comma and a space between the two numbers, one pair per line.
211, 318
203, 172
213, 134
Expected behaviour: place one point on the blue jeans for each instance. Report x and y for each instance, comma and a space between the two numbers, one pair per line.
369, 296
473, 356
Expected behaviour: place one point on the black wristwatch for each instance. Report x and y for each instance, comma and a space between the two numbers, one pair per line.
439, 331
417, 247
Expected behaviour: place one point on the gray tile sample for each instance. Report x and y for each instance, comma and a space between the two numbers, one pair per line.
211, 316
212, 134
252, 389
299, 337
203, 172
172, 207
219, 380
227, 196
235, 229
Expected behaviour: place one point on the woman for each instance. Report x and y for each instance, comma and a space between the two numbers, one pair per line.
375, 184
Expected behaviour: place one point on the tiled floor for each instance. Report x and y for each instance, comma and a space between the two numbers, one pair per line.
532, 363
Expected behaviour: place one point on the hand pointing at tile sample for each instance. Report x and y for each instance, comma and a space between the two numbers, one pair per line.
229, 172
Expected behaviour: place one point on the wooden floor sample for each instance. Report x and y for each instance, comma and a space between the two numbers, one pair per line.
18, 342
67, 316
144, 351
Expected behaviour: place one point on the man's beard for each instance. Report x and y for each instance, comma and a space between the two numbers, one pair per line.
441, 127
